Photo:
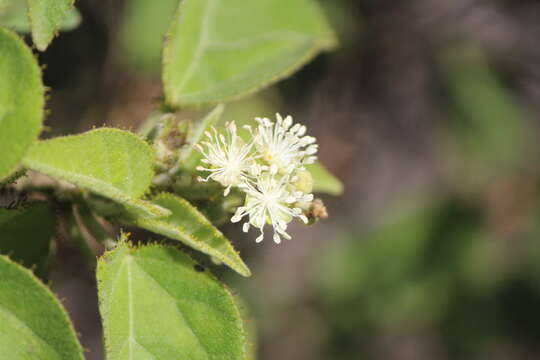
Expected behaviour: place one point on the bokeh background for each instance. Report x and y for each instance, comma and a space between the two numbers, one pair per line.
429, 114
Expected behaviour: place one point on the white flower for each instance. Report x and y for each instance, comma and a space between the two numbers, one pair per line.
284, 144
228, 159
269, 170
268, 200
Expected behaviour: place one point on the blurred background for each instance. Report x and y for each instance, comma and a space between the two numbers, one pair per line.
429, 114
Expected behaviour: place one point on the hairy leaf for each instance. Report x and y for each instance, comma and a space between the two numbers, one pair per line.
219, 50
110, 162
46, 17
21, 100
14, 15
189, 226
33, 324
157, 303
324, 181
25, 235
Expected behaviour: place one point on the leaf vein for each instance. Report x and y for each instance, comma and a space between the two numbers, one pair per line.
202, 45
178, 310
280, 35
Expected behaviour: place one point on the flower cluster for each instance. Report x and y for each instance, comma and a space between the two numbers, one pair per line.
269, 170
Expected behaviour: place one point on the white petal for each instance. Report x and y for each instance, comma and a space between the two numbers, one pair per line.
311, 150
238, 215
288, 121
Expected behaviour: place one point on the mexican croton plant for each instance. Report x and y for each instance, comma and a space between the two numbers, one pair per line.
177, 178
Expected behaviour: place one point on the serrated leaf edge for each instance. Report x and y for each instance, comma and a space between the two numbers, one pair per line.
42, 46
131, 248
318, 45
54, 299
113, 193
192, 241
37, 68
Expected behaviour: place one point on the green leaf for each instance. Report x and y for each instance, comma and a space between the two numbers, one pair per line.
220, 50
110, 162
138, 207
21, 100
14, 15
25, 235
157, 303
189, 226
33, 324
324, 181
46, 17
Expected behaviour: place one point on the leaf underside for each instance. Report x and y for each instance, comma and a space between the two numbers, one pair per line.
220, 50
156, 303
189, 226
